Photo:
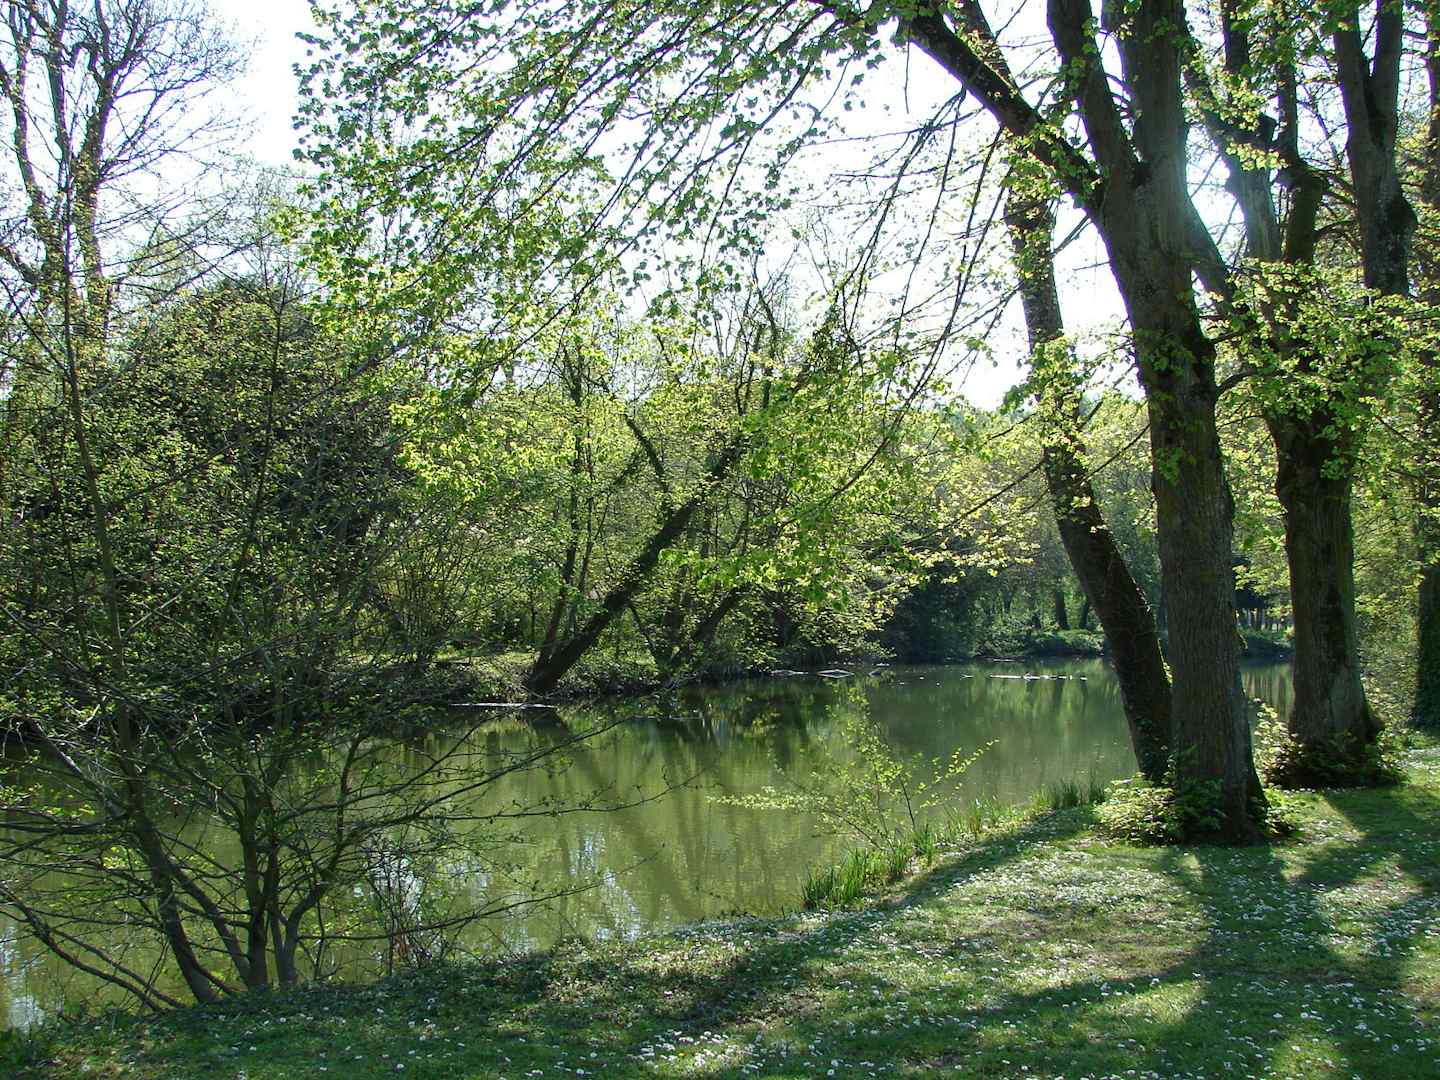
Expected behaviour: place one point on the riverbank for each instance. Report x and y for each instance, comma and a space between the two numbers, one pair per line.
500, 676
1042, 950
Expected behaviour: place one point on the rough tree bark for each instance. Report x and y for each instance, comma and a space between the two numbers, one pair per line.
1330, 719
1109, 587
1315, 442
1135, 192
1427, 523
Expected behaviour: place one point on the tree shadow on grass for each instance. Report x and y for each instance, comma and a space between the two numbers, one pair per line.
758, 980
1290, 973
1257, 986
1184, 962
618, 1002
1398, 856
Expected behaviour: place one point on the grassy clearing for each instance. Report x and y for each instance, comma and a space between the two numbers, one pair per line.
1038, 950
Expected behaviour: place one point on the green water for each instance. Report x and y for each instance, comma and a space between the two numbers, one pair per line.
686, 851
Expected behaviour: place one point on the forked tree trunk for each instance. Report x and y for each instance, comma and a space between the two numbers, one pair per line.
1135, 191
1331, 721
1109, 587
545, 676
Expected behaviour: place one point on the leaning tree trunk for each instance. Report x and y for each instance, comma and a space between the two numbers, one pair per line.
699, 642
1109, 587
545, 676
567, 596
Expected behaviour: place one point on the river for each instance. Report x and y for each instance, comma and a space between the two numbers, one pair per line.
692, 848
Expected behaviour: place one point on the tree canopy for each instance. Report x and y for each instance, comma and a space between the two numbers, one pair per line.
626, 345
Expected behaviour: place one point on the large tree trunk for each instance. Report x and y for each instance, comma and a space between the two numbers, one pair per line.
1210, 721
1330, 719
1109, 587
1135, 191
1156, 244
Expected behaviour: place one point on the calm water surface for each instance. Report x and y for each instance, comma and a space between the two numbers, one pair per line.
690, 853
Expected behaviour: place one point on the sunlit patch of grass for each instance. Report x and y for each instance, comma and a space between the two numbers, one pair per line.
1037, 949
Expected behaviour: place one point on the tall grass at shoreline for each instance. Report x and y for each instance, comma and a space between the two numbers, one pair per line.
864, 871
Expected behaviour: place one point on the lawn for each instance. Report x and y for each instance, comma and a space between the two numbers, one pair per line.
1042, 950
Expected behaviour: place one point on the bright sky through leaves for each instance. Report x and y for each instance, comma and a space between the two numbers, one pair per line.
266, 100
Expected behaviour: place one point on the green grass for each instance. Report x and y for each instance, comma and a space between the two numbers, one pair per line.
1068, 794
1038, 950
978, 816
863, 873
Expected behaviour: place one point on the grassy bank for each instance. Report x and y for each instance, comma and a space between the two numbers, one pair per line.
1040, 950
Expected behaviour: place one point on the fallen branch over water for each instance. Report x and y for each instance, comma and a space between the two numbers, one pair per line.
499, 705
1028, 677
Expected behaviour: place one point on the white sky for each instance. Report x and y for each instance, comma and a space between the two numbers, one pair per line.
266, 99
265, 96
